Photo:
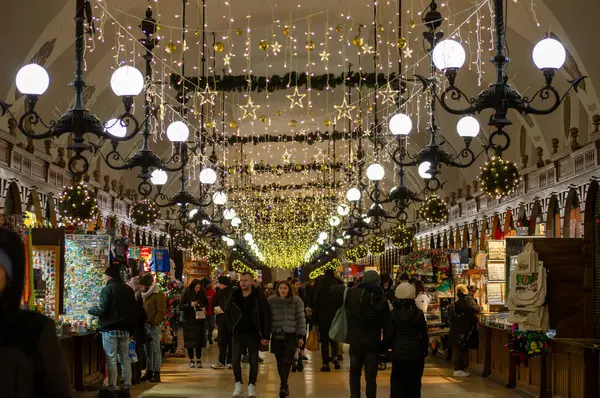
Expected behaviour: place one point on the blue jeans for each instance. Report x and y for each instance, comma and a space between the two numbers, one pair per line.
116, 343
153, 352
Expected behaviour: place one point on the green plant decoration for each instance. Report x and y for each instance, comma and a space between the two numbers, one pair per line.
77, 205
145, 213
499, 178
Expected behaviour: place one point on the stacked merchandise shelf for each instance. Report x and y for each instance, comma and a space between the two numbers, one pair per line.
496, 273
46, 273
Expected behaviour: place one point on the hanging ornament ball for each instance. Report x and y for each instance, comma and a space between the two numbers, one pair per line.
327, 122
278, 113
239, 32
263, 45
197, 32
77, 205
170, 47
310, 45
412, 24
369, 108
262, 118
376, 245
401, 237
434, 210
184, 239
286, 31
338, 28
219, 46
209, 124
158, 27
200, 250
402, 43
380, 28
358, 41
233, 124
293, 123
499, 178
145, 213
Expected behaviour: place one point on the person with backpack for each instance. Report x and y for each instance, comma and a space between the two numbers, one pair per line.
117, 321
368, 315
288, 330
31, 360
325, 304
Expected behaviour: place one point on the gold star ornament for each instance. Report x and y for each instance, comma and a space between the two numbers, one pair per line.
324, 56
249, 109
296, 98
207, 96
389, 95
344, 110
276, 47
367, 49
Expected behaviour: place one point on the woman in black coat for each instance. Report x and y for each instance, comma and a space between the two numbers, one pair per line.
193, 305
463, 329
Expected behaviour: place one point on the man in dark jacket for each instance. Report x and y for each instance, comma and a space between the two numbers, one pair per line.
463, 329
117, 320
249, 319
219, 306
325, 304
368, 316
31, 360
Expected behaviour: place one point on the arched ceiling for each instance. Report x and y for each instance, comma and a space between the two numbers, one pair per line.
47, 35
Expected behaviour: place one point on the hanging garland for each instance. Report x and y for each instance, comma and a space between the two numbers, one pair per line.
184, 239
332, 265
357, 253
145, 213
499, 178
434, 210
401, 237
240, 83
77, 205
288, 168
215, 258
309, 138
240, 267
200, 250
274, 187
376, 245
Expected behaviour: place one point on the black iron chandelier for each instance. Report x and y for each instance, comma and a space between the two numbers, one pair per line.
32, 80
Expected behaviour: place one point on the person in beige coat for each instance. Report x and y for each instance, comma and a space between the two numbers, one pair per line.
155, 304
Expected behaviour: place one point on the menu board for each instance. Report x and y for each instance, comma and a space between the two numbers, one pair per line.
496, 271
495, 293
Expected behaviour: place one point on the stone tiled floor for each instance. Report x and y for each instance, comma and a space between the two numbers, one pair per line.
181, 382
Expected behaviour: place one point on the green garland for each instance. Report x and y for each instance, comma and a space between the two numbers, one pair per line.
401, 237
77, 205
434, 210
240, 83
332, 265
288, 168
239, 266
184, 239
200, 250
215, 258
278, 187
357, 253
309, 138
499, 178
145, 213
376, 245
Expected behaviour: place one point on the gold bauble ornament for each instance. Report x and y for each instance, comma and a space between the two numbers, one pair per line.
158, 27
233, 124
170, 47
338, 28
369, 108
412, 24
293, 123
327, 123
380, 28
219, 46
278, 113
262, 118
209, 125
310, 45
402, 43
286, 31
263, 45
358, 41
197, 32
239, 32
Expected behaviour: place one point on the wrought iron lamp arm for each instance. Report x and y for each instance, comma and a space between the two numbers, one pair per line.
546, 92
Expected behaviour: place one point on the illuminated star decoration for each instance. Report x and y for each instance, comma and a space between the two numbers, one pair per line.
344, 110
276, 47
389, 95
207, 96
408, 53
319, 156
296, 98
287, 157
367, 49
227, 59
324, 56
249, 109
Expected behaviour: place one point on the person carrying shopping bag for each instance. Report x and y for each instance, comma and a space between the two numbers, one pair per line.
193, 305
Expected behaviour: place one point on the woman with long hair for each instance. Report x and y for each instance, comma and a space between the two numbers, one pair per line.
193, 305
288, 330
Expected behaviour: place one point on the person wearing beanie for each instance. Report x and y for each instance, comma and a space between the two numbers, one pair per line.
408, 339
117, 317
219, 305
155, 304
368, 316
31, 359
463, 329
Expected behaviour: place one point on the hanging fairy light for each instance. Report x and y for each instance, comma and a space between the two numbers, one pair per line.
376, 245
145, 213
401, 237
499, 178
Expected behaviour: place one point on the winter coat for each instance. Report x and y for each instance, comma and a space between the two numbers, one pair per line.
368, 315
261, 313
288, 315
117, 307
31, 359
155, 304
463, 322
194, 335
407, 335
325, 302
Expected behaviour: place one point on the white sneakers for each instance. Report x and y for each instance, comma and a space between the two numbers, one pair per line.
218, 365
238, 390
461, 373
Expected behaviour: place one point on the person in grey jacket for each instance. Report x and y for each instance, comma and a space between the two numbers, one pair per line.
288, 328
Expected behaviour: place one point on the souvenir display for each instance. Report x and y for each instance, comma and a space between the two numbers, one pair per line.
45, 262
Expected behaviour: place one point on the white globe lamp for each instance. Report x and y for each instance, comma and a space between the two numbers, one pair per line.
208, 176
159, 177
343, 210
193, 212
448, 54
340, 241
248, 237
400, 124
32, 79
220, 198
375, 172
178, 132
549, 54
116, 128
229, 214
334, 221
236, 222
467, 127
127, 81
424, 170
353, 195
323, 236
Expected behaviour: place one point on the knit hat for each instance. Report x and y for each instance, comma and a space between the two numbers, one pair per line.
146, 280
405, 290
6, 263
113, 271
371, 278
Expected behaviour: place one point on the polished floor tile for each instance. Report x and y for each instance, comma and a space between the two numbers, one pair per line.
181, 382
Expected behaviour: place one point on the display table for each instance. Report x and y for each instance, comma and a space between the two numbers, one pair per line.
84, 357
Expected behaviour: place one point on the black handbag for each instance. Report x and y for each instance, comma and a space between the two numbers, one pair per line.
279, 335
